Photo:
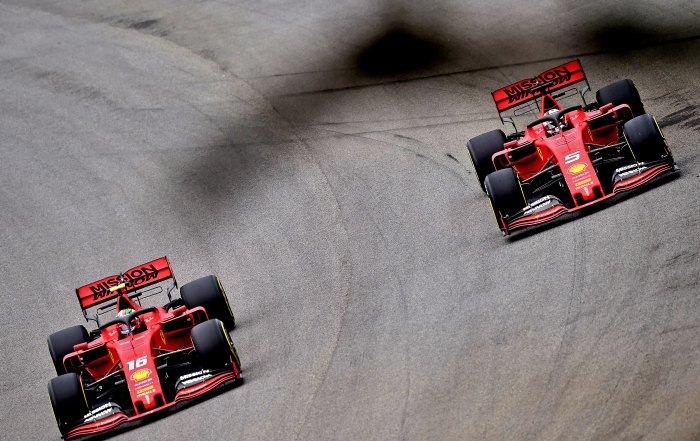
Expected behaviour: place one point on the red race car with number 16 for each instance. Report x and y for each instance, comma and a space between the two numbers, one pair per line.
143, 359
569, 157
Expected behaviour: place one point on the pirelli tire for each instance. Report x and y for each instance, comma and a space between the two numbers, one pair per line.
67, 398
645, 139
213, 345
61, 344
621, 92
481, 149
504, 192
208, 293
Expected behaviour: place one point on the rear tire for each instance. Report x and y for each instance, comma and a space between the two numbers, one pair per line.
208, 293
621, 92
61, 344
504, 192
67, 398
645, 139
481, 148
213, 345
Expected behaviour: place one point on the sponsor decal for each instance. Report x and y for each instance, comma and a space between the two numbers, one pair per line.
196, 380
539, 201
539, 152
111, 357
99, 409
584, 182
590, 134
145, 394
621, 169
133, 278
521, 90
194, 374
145, 389
100, 412
577, 168
628, 173
162, 336
537, 205
106, 421
191, 391
143, 382
140, 374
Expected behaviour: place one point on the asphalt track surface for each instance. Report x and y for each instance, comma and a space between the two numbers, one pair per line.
311, 154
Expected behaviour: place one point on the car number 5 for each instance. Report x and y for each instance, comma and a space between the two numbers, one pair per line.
571, 157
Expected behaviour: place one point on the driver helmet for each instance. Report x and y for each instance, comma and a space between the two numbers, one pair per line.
550, 127
124, 329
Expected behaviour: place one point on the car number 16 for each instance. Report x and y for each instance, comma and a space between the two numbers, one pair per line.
141, 361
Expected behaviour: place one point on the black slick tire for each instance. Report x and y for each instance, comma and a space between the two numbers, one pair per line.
645, 139
61, 344
504, 192
621, 92
67, 398
213, 345
208, 293
481, 148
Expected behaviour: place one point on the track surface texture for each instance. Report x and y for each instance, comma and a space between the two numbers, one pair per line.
312, 155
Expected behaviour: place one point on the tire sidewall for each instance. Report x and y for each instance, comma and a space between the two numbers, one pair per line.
481, 149
212, 344
61, 343
504, 192
645, 139
209, 293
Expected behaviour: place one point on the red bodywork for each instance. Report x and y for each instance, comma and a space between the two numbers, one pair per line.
569, 148
135, 354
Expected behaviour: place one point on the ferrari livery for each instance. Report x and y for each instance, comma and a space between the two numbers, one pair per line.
569, 157
140, 360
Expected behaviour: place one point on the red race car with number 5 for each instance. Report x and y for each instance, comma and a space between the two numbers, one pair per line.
569, 157
143, 359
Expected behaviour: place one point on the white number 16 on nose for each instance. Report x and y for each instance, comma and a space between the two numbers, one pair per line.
136, 363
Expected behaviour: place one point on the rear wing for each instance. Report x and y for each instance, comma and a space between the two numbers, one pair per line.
136, 278
530, 89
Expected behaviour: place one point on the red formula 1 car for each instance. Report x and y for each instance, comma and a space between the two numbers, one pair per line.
569, 157
145, 359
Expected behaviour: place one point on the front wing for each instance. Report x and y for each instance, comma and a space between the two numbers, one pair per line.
550, 208
111, 415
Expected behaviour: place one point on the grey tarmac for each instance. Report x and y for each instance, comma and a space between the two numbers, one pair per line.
312, 155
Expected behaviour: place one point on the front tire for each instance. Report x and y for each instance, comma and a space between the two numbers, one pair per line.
61, 344
645, 139
505, 193
621, 92
213, 345
481, 148
208, 293
67, 398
